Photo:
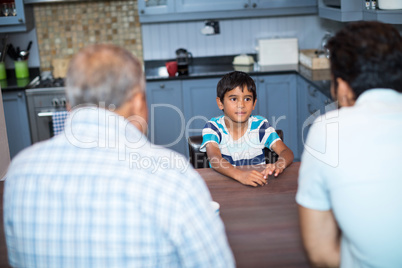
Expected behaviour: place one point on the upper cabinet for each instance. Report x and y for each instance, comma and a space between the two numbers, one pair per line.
185, 10
15, 16
354, 10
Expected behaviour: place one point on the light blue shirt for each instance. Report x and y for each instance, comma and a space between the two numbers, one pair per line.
100, 195
352, 165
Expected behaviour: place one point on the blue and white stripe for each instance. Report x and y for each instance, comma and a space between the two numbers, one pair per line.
249, 149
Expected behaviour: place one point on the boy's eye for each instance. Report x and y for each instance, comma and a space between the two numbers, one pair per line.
247, 99
233, 99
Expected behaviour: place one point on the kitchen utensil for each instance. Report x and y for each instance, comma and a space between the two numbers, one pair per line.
60, 67
21, 69
278, 51
389, 4
313, 59
4, 49
2, 71
243, 59
171, 67
324, 42
29, 45
183, 58
24, 55
12, 53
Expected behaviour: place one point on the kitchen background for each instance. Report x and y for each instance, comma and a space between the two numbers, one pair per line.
61, 29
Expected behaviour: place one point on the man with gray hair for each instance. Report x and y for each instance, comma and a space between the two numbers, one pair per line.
99, 194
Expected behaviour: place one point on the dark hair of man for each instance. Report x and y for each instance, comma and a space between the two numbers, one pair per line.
367, 55
233, 80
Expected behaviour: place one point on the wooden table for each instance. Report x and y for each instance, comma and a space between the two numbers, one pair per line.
261, 223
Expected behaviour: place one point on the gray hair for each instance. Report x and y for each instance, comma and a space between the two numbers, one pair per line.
103, 75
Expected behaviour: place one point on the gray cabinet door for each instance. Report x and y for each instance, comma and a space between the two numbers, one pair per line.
281, 3
209, 5
165, 117
16, 116
199, 99
311, 104
277, 101
155, 7
22, 20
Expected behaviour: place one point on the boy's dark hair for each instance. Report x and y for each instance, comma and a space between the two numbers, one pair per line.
233, 80
367, 54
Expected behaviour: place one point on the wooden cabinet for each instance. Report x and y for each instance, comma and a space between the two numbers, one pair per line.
16, 116
166, 124
277, 101
355, 10
187, 10
21, 22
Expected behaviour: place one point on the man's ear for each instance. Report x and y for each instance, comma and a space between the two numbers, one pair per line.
220, 104
139, 111
345, 95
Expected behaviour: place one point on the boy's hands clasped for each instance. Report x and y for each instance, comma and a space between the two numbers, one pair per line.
255, 178
274, 169
251, 177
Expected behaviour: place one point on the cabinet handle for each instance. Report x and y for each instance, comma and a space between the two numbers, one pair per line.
162, 85
262, 80
245, 5
19, 95
311, 91
310, 110
142, 11
20, 20
254, 5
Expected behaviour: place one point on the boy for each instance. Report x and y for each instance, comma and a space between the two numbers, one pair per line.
237, 138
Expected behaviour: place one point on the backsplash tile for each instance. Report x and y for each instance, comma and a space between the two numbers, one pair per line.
63, 28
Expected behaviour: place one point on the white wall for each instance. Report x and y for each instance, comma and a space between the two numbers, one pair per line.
236, 36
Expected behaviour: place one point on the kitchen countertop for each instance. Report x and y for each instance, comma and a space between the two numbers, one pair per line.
204, 67
12, 83
209, 67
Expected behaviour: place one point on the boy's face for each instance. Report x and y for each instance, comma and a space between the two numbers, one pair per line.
237, 105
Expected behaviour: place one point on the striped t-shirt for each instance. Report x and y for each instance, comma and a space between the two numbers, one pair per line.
249, 149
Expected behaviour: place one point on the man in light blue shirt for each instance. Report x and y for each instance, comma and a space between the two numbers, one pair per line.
350, 179
99, 194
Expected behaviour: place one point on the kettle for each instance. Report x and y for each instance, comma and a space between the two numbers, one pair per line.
183, 58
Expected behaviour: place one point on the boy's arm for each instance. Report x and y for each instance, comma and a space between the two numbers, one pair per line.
284, 160
220, 164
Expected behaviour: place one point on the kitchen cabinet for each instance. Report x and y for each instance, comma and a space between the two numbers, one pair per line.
245, 5
166, 123
311, 104
277, 101
155, 7
355, 10
16, 116
21, 22
186, 10
180, 108
199, 103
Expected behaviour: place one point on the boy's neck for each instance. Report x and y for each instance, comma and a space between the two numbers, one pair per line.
236, 129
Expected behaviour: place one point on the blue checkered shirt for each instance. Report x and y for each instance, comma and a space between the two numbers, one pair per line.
100, 195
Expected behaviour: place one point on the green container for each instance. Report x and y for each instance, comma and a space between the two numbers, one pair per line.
21, 69
2, 71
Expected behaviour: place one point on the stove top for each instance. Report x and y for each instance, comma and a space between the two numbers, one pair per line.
50, 82
46, 83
